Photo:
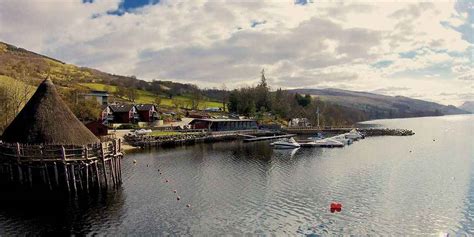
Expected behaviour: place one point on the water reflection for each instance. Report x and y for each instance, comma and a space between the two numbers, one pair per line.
41, 214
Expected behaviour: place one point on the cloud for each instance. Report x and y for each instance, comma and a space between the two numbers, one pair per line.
356, 45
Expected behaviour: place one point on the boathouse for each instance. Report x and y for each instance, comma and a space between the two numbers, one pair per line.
47, 147
224, 124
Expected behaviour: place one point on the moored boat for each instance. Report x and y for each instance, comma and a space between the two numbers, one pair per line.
328, 142
288, 143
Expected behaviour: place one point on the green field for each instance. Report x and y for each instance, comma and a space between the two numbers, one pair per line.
146, 97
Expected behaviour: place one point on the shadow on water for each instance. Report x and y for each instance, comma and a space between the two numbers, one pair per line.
39, 213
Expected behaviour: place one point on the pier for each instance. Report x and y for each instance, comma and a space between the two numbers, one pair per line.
254, 139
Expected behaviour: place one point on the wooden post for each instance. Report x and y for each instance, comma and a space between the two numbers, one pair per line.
74, 186
56, 176
87, 177
48, 179
112, 171
103, 164
120, 167
30, 178
18, 155
97, 174
66, 175
79, 176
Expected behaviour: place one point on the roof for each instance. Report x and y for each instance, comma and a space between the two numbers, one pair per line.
97, 93
46, 119
144, 107
121, 108
224, 120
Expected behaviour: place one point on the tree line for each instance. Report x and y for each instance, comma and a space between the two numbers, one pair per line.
260, 102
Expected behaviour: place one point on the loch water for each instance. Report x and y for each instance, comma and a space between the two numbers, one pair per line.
415, 185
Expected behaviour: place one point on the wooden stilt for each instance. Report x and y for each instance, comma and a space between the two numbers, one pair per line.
66, 178
48, 178
112, 172
97, 174
18, 155
103, 165
66, 175
87, 177
56, 176
79, 176
74, 185
30, 176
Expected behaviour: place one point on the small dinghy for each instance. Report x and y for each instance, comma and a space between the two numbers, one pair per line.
286, 143
354, 135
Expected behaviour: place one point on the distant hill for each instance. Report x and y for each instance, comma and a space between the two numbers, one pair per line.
380, 106
19, 63
468, 106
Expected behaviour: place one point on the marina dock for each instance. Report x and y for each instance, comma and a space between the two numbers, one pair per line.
254, 139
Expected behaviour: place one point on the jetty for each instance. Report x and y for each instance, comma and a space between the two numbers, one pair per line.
368, 132
46, 147
254, 139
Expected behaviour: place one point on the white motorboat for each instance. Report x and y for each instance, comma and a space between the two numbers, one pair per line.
318, 136
342, 138
328, 142
354, 135
286, 143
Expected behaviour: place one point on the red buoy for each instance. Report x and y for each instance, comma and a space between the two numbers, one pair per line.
335, 207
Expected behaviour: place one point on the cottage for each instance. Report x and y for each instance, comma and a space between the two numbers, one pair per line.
124, 113
224, 124
147, 112
106, 115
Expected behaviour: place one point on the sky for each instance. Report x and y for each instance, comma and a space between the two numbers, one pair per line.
420, 50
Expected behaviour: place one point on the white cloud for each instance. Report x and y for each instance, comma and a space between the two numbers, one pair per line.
209, 42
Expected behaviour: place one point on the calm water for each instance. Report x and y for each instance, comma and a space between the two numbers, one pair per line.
237, 188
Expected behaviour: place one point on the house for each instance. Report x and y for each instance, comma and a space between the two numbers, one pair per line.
101, 96
124, 113
106, 116
299, 122
147, 112
224, 124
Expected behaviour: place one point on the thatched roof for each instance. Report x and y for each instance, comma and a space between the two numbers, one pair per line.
46, 119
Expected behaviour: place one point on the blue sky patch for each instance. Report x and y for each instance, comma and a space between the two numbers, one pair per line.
255, 23
382, 64
128, 5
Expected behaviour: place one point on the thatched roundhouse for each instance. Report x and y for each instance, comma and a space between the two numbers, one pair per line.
46, 119
46, 146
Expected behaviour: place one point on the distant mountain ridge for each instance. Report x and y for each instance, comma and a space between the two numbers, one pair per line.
468, 106
378, 106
